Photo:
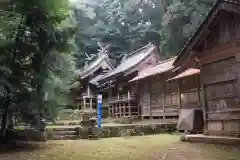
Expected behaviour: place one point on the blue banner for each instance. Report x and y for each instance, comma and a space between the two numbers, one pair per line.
99, 111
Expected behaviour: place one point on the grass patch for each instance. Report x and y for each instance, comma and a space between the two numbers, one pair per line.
161, 147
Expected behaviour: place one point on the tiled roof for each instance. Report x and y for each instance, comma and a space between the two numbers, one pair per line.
95, 64
194, 36
161, 67
187, 72
132, 60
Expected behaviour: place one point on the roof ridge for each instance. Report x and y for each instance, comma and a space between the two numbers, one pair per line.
140, 49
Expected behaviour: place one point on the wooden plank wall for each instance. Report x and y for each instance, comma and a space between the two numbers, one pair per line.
159, 98
171, 99
189, 92
145, 100
157, 103
222, 97
220, 75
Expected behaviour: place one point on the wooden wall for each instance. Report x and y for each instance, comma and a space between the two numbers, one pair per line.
220, 76
145, 99
189, 89
221, 87
159, 98
224, 28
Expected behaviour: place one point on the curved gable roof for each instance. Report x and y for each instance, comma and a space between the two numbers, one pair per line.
101, 60
161, 67
132, 60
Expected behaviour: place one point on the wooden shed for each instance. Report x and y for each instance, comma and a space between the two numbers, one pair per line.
157, 97
215, 48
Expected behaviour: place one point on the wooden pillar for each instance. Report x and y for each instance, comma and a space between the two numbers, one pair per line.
84, 103
179, 93
164, 101
112, 108
204, 103
88, 90
91, 103
109, 110
120, 109
198, 91
116, 110
118, 97
129, 103
150, 100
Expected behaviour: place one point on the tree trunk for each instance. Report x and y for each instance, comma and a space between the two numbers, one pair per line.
8, 99
5, 117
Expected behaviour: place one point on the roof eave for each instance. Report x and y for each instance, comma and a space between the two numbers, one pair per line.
152, 75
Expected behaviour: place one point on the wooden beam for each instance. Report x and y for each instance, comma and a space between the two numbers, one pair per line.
217, 56
231, 8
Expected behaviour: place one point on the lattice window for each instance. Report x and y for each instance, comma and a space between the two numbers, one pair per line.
189, 96
223, 70
222, 96
171, 98
221, 90
175, 99
167, 99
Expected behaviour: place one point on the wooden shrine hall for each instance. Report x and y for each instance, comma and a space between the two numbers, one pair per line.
94, 69
214, 49
204, 77
157, 98
123, 96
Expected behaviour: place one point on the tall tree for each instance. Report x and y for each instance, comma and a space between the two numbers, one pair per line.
125, 25
129, 24
188, 15
28, 51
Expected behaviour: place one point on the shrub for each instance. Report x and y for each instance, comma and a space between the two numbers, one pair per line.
30, 134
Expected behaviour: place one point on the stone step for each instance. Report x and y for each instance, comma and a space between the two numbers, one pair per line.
64, 129
66, 137
62, 133
93, 137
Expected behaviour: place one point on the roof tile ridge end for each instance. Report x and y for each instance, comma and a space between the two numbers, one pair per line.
166, 60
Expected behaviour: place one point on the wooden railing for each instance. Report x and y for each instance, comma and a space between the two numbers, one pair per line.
123, 97
171, 108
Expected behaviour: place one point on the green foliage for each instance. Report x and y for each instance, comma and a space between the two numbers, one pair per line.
125, 25
36, 56
188, 15
130, 24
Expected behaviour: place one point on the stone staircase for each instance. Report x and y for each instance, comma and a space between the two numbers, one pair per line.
65, 134
72, 134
